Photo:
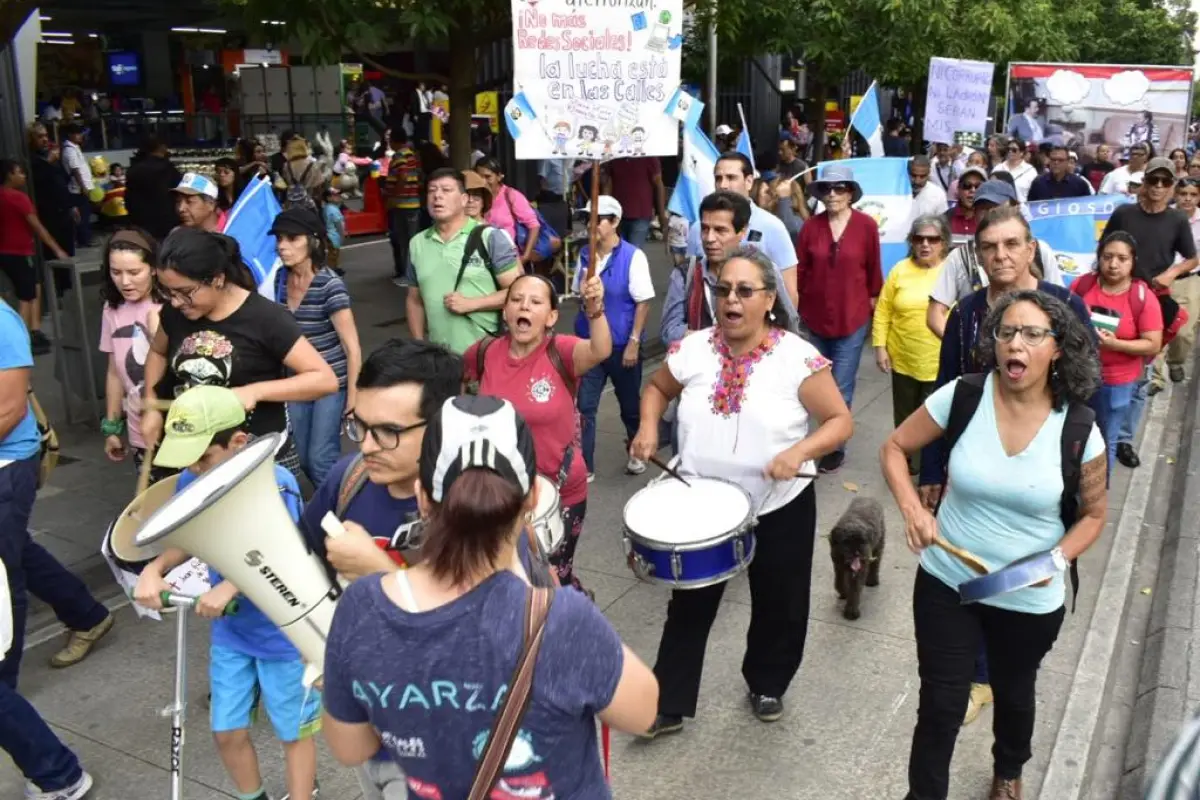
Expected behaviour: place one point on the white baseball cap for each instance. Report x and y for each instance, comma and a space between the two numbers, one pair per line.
606, 207
194, 183
723, 130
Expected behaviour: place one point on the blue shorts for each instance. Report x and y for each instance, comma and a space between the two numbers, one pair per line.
238, 680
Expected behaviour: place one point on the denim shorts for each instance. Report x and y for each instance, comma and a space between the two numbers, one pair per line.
238, 680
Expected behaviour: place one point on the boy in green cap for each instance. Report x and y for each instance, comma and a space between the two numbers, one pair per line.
250, 655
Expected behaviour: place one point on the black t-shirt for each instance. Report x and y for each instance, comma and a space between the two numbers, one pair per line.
246, 347
1159, 237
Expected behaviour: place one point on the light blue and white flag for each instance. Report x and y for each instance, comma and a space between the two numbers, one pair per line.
518, 116
685, 108
744, 146
695, 180
887, 198
866, 121
1073, 227
249, 222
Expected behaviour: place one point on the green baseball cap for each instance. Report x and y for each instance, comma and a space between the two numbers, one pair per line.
196, 416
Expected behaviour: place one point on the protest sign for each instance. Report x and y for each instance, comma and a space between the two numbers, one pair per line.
594, 80
958, 96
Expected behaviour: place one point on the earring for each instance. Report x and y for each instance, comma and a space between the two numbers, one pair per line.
1054, 370
771, 316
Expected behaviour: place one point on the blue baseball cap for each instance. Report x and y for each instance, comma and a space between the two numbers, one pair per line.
193, 183
996, 192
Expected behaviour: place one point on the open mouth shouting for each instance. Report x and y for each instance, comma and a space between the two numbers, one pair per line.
1015, 368
523, 323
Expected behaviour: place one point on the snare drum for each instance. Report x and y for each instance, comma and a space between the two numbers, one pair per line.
547, 517
688, 537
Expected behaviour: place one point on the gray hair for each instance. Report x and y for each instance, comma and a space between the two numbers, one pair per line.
778, 315
1076, 374
936, 221
920, 160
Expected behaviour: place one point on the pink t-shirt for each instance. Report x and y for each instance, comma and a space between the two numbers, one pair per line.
539, 394
501, 215
125, 333
1121, 368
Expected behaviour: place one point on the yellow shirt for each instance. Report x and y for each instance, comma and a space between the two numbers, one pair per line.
900, 321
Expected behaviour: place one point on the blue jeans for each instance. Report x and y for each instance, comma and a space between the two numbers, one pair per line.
845, 352
635, 231
1136, 406
24, 735
627, 385
317, 431
1113, 406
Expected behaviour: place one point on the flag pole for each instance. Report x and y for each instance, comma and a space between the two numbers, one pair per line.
593, 223
742, 117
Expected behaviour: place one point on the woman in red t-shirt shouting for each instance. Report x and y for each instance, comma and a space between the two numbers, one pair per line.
1129, 324
540, 382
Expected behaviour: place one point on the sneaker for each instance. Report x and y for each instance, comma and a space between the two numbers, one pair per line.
40, 343
1005, 789
664, 724
75, 791
592, 476
635, 466
399, 282
316, 793
80, 643
1128, 456
981, 695
1154, 389
831, 463
767, 709
1176, 373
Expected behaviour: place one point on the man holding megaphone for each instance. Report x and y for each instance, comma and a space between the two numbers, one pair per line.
206, 427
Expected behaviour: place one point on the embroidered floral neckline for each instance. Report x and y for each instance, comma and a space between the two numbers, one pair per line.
729, 389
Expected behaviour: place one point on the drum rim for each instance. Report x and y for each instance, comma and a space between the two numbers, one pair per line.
747, 523
703, 583
277, 440
986, 587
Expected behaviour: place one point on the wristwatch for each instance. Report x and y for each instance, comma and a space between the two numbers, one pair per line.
1060, 560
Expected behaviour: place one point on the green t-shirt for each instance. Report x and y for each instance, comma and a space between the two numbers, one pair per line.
433, 265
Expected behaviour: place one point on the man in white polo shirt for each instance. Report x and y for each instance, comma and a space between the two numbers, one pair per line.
196, 202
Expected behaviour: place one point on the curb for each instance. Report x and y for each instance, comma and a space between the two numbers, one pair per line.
1079, 729
1168, 676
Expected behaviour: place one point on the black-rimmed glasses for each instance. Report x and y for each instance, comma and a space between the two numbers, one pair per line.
387, 436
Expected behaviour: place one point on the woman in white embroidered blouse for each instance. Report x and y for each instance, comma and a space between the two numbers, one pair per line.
747, 388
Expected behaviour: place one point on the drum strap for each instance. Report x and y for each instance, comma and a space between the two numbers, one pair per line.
516, 701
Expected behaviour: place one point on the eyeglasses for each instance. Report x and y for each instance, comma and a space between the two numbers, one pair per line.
973, 186
742, 290
1032, 335
1161, 181
387, 436
1014, 150
184, 296
918, 239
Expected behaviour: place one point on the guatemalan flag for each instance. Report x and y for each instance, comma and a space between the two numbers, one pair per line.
1073, 227
695, 174
249, 222
866, 122
887, 198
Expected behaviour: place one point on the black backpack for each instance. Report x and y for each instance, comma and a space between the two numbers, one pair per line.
296, 195
1077, 427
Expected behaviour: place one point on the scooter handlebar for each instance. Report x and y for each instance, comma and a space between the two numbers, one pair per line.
172, 600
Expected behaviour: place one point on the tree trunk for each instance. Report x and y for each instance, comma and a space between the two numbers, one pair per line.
462, 101
817, 94
919, 93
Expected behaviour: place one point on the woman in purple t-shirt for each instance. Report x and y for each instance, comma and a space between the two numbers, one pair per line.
418, 661
127, 325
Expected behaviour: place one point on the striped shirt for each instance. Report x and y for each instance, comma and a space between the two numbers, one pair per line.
402, 186
325, 297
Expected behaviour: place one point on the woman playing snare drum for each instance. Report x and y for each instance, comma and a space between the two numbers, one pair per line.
746, 389
520, 367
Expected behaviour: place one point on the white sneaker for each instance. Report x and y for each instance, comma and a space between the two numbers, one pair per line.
635, 466
591, 477
75, 791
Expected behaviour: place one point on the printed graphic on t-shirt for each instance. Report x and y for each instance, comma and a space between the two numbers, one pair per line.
135, 357
204, 358
541, 389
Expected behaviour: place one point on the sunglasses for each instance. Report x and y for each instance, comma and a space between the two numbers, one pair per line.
972, 186
1161, 181
918, 239
840, 188
743, 290
1015, 150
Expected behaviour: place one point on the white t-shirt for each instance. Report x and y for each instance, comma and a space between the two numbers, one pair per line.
1116, 182
734, 433
641, 288
930, 200
73, 160
765, 232
1022, 175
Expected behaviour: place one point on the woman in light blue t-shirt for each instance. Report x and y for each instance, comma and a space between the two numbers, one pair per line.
1002, 503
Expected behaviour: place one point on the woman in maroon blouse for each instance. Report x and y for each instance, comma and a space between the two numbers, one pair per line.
838, 275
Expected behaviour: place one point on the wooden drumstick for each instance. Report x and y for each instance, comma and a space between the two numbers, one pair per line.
974, 562
144, 476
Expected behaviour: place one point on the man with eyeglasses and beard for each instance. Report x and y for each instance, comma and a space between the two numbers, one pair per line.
1162, 234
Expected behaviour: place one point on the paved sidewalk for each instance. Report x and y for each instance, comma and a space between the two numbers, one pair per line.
850, 712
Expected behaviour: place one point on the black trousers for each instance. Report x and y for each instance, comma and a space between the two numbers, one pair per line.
909, 394
948, 636
780, 578
403, 224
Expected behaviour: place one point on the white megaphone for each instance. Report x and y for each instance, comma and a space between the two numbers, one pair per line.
234, 519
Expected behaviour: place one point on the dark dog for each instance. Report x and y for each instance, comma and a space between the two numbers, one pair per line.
856, 545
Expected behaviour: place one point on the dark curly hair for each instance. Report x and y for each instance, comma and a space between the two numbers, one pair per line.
1076, 374
109, 292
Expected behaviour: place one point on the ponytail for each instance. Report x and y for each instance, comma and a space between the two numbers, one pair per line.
204, 257
468, 529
